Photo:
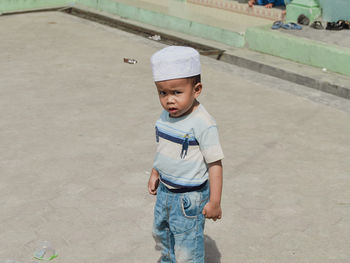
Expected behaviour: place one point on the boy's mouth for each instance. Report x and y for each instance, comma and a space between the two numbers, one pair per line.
172, 110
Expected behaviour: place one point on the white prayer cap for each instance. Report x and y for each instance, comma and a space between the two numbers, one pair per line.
175, 62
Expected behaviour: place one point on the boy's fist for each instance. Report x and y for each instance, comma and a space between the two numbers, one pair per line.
153, 182
251, 3
212, 211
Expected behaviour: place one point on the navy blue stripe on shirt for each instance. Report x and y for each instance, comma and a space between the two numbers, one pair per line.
178, 186
175, 139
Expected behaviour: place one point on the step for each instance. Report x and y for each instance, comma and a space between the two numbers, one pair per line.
209, 23
243, 8
311, 47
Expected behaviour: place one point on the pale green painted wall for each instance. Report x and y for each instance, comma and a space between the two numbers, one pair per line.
307, 3
309, 8
334, 10
305, 51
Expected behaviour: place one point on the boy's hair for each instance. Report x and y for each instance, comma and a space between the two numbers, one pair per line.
195, 79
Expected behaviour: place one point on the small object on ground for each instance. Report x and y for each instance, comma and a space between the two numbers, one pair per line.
130, 60
339, 25
347, 24
331, 26
303, 20
317, 25
324, 70
277, 24
155, 37
291, 26
334, 26
45, 251
343, 24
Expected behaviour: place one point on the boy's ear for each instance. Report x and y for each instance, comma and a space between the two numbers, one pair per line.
197, 89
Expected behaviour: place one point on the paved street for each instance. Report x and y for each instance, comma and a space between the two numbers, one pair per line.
77, 144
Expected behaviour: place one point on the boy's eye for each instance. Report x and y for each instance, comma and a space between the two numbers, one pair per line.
162, 93
177, 92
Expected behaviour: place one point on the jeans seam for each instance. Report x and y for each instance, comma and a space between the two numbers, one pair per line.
196, 242
169, 244
168, 229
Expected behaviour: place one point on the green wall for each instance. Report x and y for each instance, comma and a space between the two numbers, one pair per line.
309, 52
334, 10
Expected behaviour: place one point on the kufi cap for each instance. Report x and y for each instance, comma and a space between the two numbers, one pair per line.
175, 62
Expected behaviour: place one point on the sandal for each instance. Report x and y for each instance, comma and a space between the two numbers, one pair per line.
277, 24
339, 25
346, 25
303, 20
317, 25
291, 26
332, 26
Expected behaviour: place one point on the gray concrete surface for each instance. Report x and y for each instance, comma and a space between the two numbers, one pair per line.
339, 38
77, 143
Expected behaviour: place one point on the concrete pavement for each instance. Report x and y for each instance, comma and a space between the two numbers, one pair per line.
77, 143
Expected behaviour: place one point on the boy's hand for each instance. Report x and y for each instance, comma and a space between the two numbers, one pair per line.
251, 3
270, 5
212, 211
153, 182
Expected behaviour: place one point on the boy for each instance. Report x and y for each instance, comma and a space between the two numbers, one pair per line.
267, 3
188, 154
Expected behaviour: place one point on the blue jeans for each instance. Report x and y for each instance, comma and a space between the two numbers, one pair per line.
179, 225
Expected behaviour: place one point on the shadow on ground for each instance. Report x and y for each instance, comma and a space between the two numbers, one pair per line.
212, 253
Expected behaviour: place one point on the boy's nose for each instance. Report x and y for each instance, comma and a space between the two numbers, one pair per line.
171, 99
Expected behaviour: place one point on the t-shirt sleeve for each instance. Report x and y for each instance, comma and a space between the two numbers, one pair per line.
210, 145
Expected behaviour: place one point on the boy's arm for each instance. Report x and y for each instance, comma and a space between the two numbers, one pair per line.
153, 182
251, 3
270, 4
212, 209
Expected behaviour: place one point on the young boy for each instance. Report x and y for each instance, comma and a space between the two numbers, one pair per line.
188, 158
267, 3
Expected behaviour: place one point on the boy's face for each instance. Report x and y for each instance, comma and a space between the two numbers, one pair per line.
178, 96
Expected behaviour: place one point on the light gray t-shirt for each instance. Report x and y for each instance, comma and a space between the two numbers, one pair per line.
185, 147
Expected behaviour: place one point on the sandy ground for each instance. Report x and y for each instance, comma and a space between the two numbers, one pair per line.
77, 144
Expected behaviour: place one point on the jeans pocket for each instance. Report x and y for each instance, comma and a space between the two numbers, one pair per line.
190, 204
187, 213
